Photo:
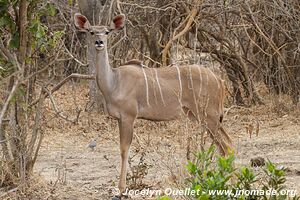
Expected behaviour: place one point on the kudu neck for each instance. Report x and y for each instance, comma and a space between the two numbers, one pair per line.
104, 73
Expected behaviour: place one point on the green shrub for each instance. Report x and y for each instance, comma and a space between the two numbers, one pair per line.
216, 178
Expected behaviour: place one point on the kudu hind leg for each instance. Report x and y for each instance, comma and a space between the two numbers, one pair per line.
213, 126
126, 132
225, 134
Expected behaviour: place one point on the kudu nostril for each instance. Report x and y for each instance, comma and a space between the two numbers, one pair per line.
99, 42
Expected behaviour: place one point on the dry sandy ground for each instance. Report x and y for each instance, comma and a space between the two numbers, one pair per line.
74, 171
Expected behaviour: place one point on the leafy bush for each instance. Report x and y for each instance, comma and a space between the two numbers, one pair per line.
29, 46
215, 177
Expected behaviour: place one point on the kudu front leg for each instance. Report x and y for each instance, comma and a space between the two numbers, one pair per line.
126, 132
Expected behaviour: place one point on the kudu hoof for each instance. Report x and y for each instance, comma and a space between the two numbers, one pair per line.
116, 198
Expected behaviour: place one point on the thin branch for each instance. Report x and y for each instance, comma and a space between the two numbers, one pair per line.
2, 114
38, 147
190, 20
9, 191
36, 126
41, 70
60, 84
8, 55
74, 58
59, 113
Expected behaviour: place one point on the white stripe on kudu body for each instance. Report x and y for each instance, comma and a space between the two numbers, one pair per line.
180, 83
215, 78
200, 80
159, 87
193, 90
125, 100
146, 86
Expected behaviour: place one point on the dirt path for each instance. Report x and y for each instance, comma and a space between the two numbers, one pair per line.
80, 173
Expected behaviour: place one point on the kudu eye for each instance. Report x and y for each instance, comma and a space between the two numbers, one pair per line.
106, 32
92, 33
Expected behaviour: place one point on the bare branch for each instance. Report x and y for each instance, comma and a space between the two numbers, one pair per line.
36, 124
60, 84
190, 20
59, 113
2, 114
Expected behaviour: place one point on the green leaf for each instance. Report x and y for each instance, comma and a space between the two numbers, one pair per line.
51, 9
164, 198
204, 197
6, 21
40, 32
14, 43
191, 167
3, 6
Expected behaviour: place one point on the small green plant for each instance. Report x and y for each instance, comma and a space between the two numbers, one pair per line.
214, 177
164, 198
203, 173
275, 180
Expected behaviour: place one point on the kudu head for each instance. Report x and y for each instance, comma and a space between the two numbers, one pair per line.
99, 33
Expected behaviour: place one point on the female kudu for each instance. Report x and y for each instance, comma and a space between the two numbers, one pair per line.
133, 91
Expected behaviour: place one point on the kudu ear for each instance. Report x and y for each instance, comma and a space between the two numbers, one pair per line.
118, 22
81, 22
